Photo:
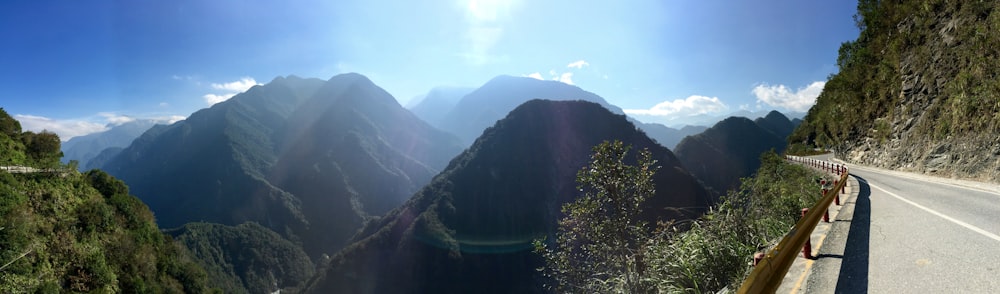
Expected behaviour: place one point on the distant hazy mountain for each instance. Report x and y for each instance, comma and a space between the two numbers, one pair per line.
102, 158
84, 148
667, 136
491, 102
731, 149
306, 158
708, 120
470, 230
434, 106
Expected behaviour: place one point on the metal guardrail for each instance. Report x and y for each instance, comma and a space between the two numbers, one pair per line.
767, 275
14, 169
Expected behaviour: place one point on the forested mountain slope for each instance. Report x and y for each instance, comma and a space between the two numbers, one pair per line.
306, 158
247, 258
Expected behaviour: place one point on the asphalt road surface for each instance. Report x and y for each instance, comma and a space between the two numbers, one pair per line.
912, 234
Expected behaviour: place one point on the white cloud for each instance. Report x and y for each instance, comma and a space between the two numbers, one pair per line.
169, 119
66, 129
693, 105
164, 104
781, 96
212, 99
69, 128
578, 64
182, 78
566, 77
115, 119
535, 75
236, 86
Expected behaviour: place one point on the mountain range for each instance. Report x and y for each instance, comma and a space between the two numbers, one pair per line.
380, 200
730, 149
467, 112
708, 120
306, 158
471, 228
85, 148
436, 104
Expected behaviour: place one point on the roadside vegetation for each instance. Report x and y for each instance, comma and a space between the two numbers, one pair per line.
74, 232
601, 247
40, 150
800, 149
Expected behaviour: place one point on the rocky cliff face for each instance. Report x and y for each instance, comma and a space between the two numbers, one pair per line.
917, 91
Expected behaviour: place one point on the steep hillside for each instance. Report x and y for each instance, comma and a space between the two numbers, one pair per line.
918, 90
728, 151
75, 232
247, 258
471, 229
211, 166
306, 158
84, 148
352, 152
491, 102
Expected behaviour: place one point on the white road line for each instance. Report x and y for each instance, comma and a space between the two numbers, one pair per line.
948, 218
920, 178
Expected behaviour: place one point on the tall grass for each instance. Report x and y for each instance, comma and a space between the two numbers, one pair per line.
716, 252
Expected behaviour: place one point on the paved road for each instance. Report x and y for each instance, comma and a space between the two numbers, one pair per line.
911, 235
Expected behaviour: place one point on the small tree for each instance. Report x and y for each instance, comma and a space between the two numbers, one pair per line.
598, 245
43, 147
8, 125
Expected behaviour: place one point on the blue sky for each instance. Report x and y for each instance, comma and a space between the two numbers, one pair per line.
76, 66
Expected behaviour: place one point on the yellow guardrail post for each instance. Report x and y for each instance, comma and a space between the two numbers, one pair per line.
767, 275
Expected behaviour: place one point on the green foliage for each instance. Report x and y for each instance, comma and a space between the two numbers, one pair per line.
11, 147
601, 249
28, 148
715, 252
8, 125
247, 258
600, 238
83, 233
42, 148
106, 184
